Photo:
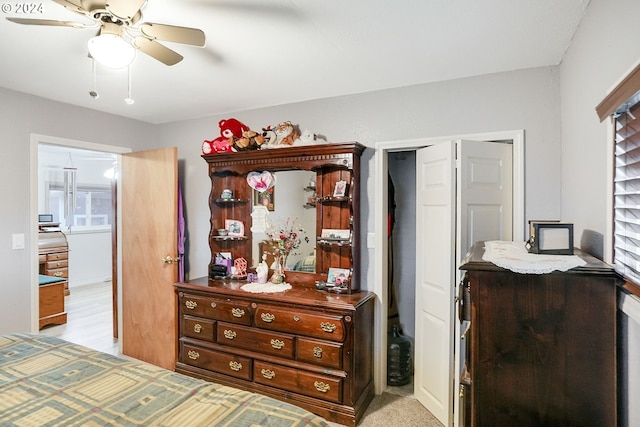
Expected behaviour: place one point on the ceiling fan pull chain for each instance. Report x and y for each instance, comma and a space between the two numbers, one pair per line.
94, 93
129, 100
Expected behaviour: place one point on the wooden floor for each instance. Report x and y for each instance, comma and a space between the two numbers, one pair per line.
89, 318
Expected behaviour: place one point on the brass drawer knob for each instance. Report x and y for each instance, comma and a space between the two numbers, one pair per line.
267, 317
328, 327
235, 366
197, 328
229, 334
296, 318
322, 387
317, 352
213, 305
194, 355
277, 344
237, 312
190, 304
268, 373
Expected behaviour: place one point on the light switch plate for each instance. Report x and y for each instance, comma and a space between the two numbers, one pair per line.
17, 241
371, 240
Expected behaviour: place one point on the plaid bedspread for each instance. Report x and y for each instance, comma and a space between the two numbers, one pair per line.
45, 381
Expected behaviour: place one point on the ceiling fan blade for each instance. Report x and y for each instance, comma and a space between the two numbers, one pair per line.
171, 33
157, 51
48, 22
125, 9
74, 6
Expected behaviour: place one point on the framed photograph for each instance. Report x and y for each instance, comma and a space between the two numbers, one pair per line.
235, 227
335, 234
340, 189
265, 198
338, 276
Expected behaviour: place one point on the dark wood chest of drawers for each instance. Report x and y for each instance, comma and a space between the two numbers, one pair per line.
303, 346
542, 347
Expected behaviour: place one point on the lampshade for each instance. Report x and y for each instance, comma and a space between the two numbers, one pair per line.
111, 50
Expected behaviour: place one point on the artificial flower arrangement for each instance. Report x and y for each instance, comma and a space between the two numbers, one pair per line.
285, 237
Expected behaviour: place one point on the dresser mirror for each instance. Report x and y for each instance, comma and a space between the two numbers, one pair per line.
290, 202
319, 210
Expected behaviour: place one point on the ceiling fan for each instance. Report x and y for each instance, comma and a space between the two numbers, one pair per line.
119, 23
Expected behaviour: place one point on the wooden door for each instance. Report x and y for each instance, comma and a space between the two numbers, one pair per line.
149, 234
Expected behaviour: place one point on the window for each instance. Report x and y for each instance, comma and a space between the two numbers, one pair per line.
626, 192
93, 206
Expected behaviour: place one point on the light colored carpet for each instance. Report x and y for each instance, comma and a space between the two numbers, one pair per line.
394, 410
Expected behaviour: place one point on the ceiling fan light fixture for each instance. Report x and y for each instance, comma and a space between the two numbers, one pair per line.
111, 51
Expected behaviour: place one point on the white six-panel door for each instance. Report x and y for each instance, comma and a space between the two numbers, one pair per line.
456, 206
435, 251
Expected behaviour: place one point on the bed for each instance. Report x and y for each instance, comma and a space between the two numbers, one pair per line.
46, 381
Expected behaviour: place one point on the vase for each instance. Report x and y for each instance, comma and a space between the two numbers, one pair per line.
278, 271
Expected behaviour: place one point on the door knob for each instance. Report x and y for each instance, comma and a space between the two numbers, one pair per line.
168, 259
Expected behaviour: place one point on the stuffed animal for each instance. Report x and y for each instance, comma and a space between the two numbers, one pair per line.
250, 140
286, 133
269, 136
229, 129
306, 138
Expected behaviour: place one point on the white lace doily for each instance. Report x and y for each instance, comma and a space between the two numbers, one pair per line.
515, 257
265, 288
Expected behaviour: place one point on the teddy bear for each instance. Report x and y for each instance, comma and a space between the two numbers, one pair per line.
229, 129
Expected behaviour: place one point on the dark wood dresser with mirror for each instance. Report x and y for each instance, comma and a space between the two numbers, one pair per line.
541, 348
308, 346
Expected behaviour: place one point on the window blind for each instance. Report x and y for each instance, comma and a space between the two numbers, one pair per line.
626, 203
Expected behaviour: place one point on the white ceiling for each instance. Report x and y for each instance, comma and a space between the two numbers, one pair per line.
270, 52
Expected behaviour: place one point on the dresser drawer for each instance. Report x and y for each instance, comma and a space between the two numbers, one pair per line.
58, 272
57, 264
254, 339
57, 256
217, 361
300, 323
319, 352
199, 328
298, 381
216, 308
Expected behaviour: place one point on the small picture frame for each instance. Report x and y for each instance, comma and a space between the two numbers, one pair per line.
340, 190
338, 276
335, 234
265, 198
235, 227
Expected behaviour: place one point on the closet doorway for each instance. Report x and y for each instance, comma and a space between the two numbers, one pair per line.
398, 158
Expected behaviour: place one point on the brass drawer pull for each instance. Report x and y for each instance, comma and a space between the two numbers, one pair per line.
317, 352
296, 318
194, 355
267, 317
228, 334
277, 344
190, 304
235, 366
322, 387
237, 312
197, 328
58, 274
213, 305
268, 374
328, 327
